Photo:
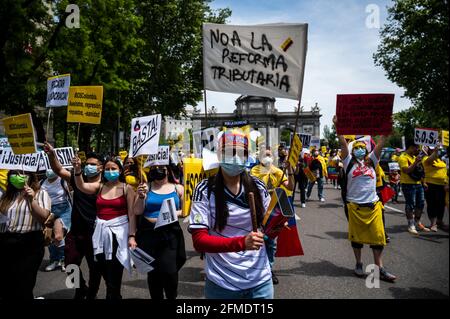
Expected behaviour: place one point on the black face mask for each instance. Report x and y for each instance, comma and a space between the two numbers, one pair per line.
158, 174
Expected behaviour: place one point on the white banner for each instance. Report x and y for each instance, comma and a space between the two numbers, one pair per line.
425, 136
25, 162
58, 90
262, 60
145, 132
160, 158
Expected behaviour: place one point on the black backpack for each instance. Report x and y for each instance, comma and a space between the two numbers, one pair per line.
418, 173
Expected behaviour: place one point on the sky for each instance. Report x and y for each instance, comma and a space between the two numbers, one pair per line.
340, 50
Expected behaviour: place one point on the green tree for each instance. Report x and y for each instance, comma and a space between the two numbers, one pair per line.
414, 53
331, 137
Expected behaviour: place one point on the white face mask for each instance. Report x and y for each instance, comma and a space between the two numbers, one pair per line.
266, 161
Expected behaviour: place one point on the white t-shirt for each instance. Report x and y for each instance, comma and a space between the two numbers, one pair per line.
236, 270
361, 181
55, 191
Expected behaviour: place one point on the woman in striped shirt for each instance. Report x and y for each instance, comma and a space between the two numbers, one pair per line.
24, 207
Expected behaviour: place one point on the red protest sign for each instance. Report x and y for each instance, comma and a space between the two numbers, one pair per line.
364, 114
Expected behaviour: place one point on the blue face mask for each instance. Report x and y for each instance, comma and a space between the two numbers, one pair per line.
232, 169
50, 174
359, 153
90, 170
112, 176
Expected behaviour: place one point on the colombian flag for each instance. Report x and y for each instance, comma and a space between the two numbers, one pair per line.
288, 243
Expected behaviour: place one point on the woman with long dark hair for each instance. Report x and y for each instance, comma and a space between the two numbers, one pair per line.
237, 266
165, 243
114, 217
24, 208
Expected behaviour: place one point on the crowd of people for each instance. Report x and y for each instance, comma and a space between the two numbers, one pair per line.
102, 208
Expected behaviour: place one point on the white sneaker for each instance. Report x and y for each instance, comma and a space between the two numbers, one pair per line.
322, 199
40, 298
303, 205
52, 266
412, 230
61, 264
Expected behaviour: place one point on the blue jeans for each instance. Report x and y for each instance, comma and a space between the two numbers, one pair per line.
319, 188
271, 249
414, 197
62, 212
263, 291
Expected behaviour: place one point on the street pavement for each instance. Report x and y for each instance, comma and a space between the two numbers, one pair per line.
421, 263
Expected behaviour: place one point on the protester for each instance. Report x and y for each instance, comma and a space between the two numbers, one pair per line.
84, 211
165, 243
411, 181
436, 179
364, 207
319, 169
115, 200
273, 177
24, 208
301, 180
394, 181
59, 193
236, 264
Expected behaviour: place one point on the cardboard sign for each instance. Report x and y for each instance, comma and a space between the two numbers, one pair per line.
193, 174
58, 90
160, 158
278, 212
295, 150
365, 114
445, 138
305, 139
25, 162
393, 166
427, 137
20, 132
85, 104
262, 60
145, 133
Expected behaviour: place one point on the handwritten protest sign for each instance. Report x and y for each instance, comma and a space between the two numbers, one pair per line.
160, 158
20, 132
425, 136
366, 114
295, 150
262, 60
58, 90
193, 174
64, 155
85, 104
145, 133
445, 138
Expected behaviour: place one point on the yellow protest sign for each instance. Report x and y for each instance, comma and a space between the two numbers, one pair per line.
82, 156
20, 132
323, 149
193, 174
295, 150
350, 137
445, 138
85, 104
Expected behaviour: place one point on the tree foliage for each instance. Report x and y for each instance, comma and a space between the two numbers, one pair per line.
414, 53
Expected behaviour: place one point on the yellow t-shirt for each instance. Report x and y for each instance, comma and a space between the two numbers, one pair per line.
272, 177
404, 161
435, 173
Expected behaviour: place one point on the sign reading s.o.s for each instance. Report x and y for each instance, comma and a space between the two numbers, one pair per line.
425, 136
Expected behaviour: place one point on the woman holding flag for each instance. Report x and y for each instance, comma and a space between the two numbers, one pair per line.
222, 226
